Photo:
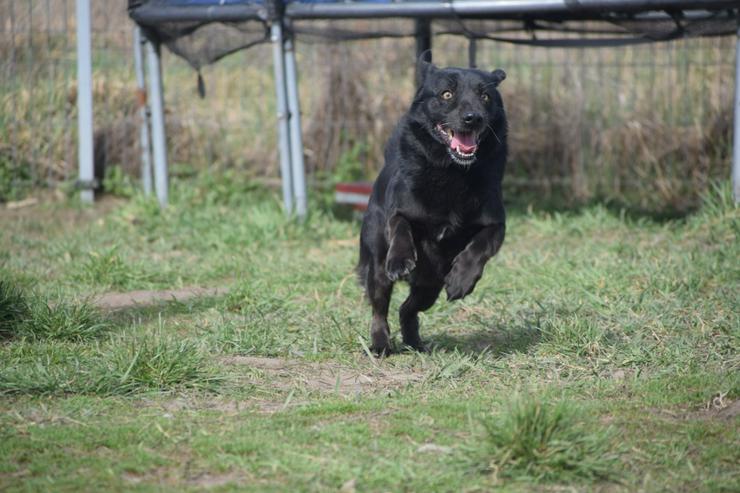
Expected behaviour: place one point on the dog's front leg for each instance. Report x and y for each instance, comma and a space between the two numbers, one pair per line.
467, 267
401, 257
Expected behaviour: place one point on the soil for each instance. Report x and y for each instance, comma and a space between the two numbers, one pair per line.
118, 301
325, 377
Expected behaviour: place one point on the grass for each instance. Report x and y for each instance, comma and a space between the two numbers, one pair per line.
547, 441
598, 353
23, 315
63, 321
119, 366
14, 307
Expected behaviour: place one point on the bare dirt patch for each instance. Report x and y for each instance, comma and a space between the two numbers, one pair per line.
221, 404
285, 374
119, 301
57, 216
715, 410
209, 480
181, 476
720, 410
282, 384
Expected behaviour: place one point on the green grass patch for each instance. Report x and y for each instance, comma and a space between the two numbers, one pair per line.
157, 362
536, 438
107, 268
64, 321
117, 366
621, 330
23, 314
14, 309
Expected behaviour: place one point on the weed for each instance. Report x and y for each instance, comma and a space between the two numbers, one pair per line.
34, 317
577, 334
117, 182
64, 321
547, 441
156, 362
14, 308
106, 267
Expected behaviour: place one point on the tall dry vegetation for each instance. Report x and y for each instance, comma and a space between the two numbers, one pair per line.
644, 125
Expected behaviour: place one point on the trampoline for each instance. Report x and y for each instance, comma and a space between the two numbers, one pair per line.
204, 31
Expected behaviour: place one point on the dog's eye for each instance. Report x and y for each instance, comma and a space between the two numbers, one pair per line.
447, 95
485, 97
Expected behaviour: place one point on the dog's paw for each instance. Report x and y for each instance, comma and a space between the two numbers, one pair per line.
461, 281
417, 346
381, 351
398, 267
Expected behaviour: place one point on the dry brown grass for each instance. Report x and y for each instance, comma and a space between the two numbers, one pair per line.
649, 125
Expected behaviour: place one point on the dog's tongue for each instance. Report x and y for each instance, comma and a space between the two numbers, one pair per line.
464, 142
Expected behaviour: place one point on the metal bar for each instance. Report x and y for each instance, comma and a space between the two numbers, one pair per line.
296, 140
150, 15
472, 53
494, 8
423, 35
276, 36
503, 9
146, 148
85, 101
159, 144
736, 135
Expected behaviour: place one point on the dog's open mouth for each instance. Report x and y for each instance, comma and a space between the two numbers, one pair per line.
461, 146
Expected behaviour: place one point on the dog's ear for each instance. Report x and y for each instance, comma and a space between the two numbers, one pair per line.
498, 76
424, 67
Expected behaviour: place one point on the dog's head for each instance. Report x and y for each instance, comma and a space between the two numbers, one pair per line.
460, 108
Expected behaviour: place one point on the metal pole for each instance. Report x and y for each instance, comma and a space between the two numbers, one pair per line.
153, 13
472, 53
276, 36
580, 9
423, 34
159, 144
141, 101
85, 102
296, 140
736, 139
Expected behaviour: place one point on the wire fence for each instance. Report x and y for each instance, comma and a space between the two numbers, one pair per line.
648, 124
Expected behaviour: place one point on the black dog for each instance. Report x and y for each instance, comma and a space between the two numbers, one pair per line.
436, 214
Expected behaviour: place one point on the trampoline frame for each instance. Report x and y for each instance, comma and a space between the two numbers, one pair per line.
278, 14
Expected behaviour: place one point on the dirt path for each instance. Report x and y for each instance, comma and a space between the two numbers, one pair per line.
118, 301
325, 377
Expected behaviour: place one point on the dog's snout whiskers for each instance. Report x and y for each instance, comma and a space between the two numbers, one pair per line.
493, 132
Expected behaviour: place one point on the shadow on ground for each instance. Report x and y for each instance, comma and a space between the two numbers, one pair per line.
497, 341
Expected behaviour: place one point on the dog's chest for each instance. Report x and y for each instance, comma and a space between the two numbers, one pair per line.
445, 224
448, 205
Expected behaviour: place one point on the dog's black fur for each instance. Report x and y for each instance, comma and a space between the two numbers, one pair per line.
436, 214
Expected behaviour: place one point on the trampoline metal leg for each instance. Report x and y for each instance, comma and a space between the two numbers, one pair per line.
423, 36
473, 53
85, 102
146, 148
736, 136
159, 144
276, 36
296, 141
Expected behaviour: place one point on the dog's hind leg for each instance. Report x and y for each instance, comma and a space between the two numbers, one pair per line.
379, 289
420, 298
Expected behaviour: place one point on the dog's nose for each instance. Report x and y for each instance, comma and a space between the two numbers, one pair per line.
472, 118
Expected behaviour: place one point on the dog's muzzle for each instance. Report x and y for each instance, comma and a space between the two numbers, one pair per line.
461, 146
